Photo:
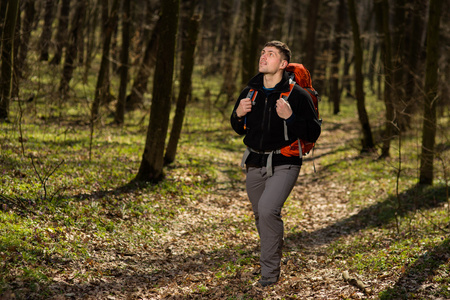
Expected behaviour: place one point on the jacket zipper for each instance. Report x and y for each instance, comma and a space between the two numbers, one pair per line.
262, 124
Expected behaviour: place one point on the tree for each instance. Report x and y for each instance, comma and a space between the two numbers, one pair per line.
12, 11
367, 141
46, 36
61, 34
382, 11
27, 23
310, 51
123, 69
335, 90
139, 87
431, 95
187, 66
102, 87
151, 168
72, 49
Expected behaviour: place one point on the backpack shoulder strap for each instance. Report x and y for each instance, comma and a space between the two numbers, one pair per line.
286, 95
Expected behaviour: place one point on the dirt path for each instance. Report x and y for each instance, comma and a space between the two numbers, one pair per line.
210, 250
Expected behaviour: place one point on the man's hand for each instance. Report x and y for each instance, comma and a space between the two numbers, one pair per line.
284, 110
245, 106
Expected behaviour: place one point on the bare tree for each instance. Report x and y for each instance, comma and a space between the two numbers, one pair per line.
310, 39
431, 95
187, 66
61, 33
367, 141
12, 11
151, 168
123, 69
46, 36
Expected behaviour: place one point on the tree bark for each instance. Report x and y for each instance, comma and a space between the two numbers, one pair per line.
367, 141
61, 33
335, 90
27, 27
246, 71
151, 168
382, 11
102, 88
139, 89
310, 40
12, 12
187, 66
431, 95
123, 70
46, 36
72, 50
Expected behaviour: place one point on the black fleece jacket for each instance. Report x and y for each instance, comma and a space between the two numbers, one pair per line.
265, 129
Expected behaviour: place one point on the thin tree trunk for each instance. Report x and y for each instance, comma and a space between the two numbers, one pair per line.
102, 87
310, 40
151, 168
27, 27
12, 11
246, 71
71, 51
139, 89
126, 21
382, 11
254, 38
367, 142
431, 95
187, 66
61, 34
46, 36
336, 59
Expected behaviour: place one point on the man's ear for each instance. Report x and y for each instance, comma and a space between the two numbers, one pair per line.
284, 64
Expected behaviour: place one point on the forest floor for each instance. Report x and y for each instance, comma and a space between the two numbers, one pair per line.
185, 240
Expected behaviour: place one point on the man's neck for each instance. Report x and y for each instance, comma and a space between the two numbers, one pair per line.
271, 80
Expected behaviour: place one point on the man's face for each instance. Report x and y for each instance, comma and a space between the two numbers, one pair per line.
271, 61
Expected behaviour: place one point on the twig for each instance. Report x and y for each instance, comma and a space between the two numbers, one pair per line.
356, 282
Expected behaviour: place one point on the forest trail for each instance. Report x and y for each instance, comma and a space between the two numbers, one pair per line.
210, 250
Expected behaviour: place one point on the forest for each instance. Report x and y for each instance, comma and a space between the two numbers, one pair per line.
120, 173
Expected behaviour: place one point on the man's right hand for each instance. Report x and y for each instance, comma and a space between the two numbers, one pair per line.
245, 106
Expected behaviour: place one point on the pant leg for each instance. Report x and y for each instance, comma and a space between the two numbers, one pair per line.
267, 195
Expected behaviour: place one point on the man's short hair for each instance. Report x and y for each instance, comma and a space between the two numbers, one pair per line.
284, 49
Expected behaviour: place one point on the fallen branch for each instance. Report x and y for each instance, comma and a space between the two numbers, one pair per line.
356, 282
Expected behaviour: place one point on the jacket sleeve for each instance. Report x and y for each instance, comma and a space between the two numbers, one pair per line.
238, 123
304, 123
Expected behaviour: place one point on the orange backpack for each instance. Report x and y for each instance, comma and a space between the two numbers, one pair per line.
301, 76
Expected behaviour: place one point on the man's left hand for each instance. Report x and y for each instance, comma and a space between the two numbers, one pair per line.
284, 110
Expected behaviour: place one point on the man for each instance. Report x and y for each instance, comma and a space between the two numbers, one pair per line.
271, 176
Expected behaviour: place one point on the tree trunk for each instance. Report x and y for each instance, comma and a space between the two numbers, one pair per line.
431, 95
46, 36
187, 66
61, 34
27, 27
310, 40
12, 11
71, 51
91, 40
367, 142
414, 43
102, 88
151, 168
123, 70
254, 38
139, 89
246, 71
335, 90
382, 11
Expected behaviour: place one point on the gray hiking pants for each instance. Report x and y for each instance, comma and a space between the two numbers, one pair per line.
267, 195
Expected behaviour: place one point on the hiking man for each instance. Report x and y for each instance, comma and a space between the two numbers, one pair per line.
263, 116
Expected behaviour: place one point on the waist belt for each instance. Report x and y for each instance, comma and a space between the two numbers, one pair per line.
269, 158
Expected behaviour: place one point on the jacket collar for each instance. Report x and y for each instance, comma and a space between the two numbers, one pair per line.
257, 83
